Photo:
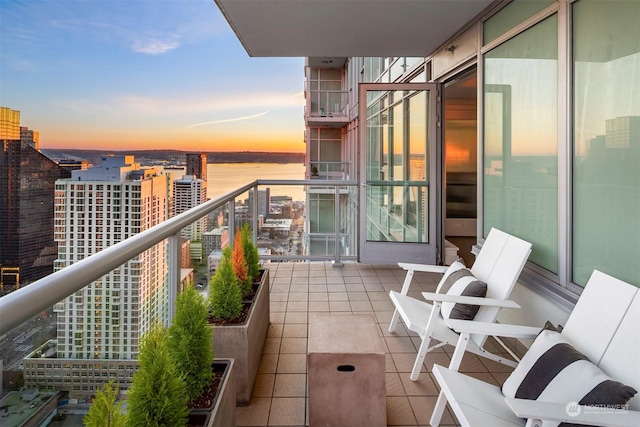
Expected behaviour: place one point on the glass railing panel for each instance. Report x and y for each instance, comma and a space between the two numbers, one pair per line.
281, 231
327, 103
397, 213
317, 219
330, 170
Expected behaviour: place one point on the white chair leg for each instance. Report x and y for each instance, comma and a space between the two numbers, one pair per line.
458, 353
417, 365
405, 289
438, 410
394, 321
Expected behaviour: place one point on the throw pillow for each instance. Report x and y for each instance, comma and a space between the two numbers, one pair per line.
554, 371
455, 266
462, 282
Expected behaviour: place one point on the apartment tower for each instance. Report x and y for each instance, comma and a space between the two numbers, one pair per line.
95, 209
189, 192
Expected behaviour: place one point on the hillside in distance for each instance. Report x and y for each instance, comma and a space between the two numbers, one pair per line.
147, 157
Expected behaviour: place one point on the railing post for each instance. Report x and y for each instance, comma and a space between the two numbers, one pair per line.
175, 261
337, 262
254, 235
232, 220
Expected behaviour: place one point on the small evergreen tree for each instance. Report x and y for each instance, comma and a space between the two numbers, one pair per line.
226, 298
158, 396
240, 265
106, 411
190, 341
251, 255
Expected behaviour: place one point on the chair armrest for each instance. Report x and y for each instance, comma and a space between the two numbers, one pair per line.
424, 267
494, 302
494, 329
588, 415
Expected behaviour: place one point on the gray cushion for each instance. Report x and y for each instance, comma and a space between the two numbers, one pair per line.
462, 282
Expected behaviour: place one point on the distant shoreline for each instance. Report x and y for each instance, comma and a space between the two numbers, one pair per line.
175, 156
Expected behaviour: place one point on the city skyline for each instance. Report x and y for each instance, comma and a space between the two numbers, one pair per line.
145, 75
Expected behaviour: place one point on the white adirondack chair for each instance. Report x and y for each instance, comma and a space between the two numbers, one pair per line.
498, 264
603, 326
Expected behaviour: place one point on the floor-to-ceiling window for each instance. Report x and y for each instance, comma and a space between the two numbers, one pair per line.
606, 146
521, 139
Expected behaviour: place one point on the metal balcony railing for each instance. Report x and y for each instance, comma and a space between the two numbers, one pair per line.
329, 170
327, 103
23, 304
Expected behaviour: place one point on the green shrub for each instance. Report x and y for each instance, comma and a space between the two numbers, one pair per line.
251, 255
190, 342
226, 297
157, 397
106, 411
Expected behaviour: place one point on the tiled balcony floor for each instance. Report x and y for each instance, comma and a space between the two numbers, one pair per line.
279, 396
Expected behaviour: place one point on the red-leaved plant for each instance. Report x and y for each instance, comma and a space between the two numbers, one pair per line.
240, 265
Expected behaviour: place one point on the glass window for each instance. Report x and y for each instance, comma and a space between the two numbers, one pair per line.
606, 149
511, 15
521, 140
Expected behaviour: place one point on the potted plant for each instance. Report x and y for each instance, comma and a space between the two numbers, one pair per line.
157, 395
251, 256
240, 327
209, 382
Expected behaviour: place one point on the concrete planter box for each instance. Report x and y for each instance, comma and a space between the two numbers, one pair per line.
244, 343
223, 411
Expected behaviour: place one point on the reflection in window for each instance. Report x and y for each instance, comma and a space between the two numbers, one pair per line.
606, 152
521, 142
397, 195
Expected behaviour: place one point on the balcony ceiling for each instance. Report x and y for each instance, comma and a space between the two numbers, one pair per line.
344, 28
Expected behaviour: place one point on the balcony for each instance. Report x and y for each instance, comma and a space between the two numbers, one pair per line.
309, 284
327, 108
329, 170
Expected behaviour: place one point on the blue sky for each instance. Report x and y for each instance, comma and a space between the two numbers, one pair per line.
119, 75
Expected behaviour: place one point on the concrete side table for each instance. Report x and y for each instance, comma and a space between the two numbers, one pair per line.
346, 372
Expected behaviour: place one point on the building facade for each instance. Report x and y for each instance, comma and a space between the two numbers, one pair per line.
27, 177
189, 192
197, 165
30, 137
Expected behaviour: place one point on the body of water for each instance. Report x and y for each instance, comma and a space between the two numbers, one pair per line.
225, 177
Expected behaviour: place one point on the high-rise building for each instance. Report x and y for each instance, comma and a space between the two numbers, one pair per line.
189, 192
95, 209
9, 124
197, 165
27, 177
30, 137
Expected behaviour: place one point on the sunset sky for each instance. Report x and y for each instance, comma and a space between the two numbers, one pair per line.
141, 74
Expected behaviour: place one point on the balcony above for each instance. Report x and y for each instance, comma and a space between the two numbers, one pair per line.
327, 108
